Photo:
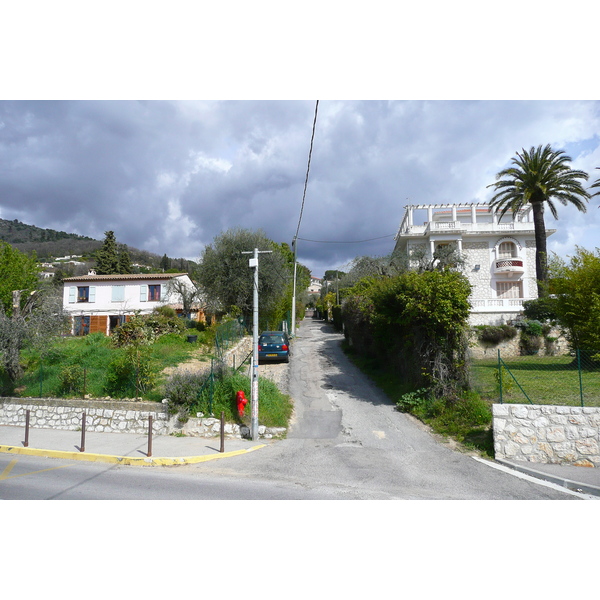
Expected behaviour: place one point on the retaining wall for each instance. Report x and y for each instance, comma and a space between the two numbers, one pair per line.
547, 434
116, 417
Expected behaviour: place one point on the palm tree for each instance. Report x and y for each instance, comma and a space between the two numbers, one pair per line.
538, 177
596, 184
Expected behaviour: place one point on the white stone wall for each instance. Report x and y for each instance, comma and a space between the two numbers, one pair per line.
115, 417
547, 434
478, 253
101, 416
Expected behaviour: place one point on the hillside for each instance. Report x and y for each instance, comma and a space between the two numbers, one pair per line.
49, 244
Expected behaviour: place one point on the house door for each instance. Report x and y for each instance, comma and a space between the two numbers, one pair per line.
115, 321
82, 325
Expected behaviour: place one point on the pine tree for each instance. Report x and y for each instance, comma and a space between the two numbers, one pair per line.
107, 257
165, 263
125, 266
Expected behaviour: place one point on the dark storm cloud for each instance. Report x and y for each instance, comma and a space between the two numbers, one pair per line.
170, 176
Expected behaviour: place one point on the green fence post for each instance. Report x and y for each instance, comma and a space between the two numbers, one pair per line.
580, 382
500, 374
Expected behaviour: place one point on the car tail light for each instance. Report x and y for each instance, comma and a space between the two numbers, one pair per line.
259, 347
284, 347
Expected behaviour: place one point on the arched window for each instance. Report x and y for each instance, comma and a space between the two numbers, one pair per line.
507, 250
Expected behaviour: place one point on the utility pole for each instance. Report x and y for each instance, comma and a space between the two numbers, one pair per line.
253, 263
294, 242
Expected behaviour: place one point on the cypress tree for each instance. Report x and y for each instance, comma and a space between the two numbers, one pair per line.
107, 257
125, 266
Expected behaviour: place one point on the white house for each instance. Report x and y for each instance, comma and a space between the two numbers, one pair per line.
499, 253
99, 303
315, 285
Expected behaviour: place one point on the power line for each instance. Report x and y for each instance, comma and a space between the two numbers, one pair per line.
348, 242
307, 170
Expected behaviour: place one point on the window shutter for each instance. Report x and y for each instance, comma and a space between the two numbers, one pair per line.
72, 294
92, 297
143, 293
118, 293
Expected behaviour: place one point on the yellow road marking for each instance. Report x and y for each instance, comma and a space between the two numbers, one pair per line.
4, 474
9, 468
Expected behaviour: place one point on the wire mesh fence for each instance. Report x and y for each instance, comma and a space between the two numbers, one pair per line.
569, 380
227, 335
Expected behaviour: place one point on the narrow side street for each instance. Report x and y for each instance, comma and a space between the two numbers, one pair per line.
347, 440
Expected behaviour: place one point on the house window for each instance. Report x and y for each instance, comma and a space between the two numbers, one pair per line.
118, 293
509, 289
507, 250
83, 293
154, 293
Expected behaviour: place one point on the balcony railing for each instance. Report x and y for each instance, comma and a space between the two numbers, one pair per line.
510, 304
513, 265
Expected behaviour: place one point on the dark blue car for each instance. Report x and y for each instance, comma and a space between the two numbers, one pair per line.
274, 345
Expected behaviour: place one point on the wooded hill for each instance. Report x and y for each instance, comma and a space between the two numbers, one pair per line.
49, 244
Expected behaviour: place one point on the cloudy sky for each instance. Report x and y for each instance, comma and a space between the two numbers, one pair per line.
168, 176
84, 154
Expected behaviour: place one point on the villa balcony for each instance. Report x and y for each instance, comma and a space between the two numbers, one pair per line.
509, 265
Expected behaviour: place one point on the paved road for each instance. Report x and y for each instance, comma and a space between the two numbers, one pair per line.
346, 441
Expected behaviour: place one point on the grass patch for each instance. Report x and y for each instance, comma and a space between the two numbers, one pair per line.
86, 364
550, 380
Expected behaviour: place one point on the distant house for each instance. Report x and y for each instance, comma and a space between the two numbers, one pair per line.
315, 285
499, 253
99, 303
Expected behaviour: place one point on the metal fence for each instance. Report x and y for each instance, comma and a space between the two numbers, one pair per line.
570, 380
227, 335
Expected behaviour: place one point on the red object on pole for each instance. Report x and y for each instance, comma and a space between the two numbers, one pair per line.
241, 402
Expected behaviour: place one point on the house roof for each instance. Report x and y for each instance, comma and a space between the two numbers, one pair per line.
129, 277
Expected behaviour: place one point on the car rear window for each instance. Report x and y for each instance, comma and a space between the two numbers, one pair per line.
272, 339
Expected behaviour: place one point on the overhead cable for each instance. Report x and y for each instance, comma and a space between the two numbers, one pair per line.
348, 242
307, 171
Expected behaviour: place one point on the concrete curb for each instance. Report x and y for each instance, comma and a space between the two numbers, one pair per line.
125, 460
574, 486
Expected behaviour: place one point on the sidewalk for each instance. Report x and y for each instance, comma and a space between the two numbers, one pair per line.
121, 448
578, 479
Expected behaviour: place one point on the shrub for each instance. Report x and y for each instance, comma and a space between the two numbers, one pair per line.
413, 402
494, 334
129, 372
70, 379
531, 336
502, 375
182, 390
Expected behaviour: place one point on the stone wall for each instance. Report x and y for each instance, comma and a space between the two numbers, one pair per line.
116, 417
101, 415
511, 348
547, 434
235, 356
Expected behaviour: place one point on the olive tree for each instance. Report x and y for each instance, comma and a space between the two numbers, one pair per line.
227, 281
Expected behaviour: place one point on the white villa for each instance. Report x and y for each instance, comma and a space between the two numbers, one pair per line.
499, 253
315, 285
99, 303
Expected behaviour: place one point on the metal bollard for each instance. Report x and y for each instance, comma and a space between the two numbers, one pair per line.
82, 447
26, 442
149, 454
222, 432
